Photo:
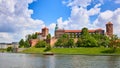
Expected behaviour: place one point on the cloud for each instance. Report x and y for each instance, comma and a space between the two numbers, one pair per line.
16, 21
81, 3
113, 16
80, 15
5, 37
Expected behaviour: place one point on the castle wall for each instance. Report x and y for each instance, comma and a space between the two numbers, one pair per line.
33, 42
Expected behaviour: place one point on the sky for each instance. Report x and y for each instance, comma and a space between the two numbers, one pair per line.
19, 18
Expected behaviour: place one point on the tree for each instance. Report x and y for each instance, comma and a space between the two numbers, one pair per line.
26, 44
62, 41
79, 42
84, 32
74, 35
59, 43
41, 44
21, 43
48, 36
9, 49
102, 40
71, 35
87, 39
34, 36
115, 42
29, 37
65, 36
70, 43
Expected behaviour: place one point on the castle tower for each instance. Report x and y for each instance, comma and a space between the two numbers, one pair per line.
109, 29
45, 32
56, 27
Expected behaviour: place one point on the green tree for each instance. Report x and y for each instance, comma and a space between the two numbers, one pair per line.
21, 43
29, 37
65, 36
26, 44
114, 42
79, 42
34, 36
48, 47
9, 49
71, 35
74, 35
62, 41
41, 44
84, 32
70, 42
87, 39
59, 43
48, 36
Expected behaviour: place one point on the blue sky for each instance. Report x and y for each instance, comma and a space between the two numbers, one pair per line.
49, 10
21, 17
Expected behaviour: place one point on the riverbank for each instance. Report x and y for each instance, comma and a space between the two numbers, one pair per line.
2, 50
87, 51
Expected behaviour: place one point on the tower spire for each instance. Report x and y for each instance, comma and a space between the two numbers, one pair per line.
56, 27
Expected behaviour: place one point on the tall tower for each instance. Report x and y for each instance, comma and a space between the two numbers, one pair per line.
109, 29
45, 32
56, 27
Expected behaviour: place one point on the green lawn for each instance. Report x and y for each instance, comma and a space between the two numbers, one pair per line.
34, 50
90, 51
2, 50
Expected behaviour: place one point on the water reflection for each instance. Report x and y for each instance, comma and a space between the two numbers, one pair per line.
113, 62
48, 61
12, 60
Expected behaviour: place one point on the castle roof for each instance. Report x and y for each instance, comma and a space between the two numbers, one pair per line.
77, 31
70, 31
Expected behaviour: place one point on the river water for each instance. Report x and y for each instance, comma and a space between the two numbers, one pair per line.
16, 60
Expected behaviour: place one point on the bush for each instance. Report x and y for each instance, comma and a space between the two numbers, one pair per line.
41, 44
48, 48
9, 49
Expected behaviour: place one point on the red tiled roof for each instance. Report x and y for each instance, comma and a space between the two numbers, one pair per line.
99, 29
91, 31
77, 31
72, 31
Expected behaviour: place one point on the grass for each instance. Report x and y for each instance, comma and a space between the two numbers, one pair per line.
34, 50
88, 51
2, 50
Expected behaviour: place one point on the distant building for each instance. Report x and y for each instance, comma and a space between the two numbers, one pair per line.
6, 45
109, 29
77, 33
41, 36
3, 45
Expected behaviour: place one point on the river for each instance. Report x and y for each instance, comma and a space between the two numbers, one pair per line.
17, 60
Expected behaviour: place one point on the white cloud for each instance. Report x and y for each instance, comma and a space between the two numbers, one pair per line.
81, 3
5, 36
95, 10
113, 16
16, 21
80, 16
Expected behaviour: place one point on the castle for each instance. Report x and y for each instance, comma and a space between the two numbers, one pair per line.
71, 33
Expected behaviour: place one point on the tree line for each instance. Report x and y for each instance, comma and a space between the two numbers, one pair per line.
40, 44
86, 40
